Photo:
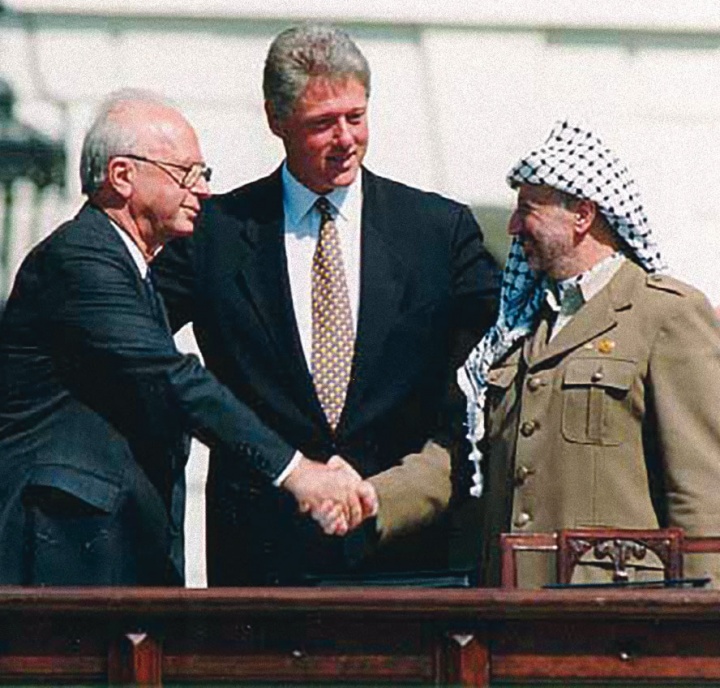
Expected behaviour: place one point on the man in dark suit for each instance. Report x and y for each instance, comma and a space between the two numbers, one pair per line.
96, 403
337, 305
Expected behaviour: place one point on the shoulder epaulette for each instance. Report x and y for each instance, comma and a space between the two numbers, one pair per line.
668, 284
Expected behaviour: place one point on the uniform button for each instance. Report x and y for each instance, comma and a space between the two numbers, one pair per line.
534, 384
522, 519
597, 376
528, 427
521, 475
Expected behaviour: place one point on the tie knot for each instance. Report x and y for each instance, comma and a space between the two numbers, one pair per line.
324, 208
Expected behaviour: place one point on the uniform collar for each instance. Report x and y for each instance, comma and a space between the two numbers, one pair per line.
568, 295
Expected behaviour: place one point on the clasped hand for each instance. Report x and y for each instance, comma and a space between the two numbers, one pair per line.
333, 493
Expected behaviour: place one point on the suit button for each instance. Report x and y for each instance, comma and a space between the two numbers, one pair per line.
522, 519
521, 475
528, 427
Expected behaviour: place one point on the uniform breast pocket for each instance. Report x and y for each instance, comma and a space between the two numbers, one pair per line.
595, 398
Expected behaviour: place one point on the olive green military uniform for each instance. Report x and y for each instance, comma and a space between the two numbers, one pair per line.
615, 422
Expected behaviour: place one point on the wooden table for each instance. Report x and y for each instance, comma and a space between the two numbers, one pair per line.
381, 636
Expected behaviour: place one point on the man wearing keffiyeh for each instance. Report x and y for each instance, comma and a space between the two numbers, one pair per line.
592, 401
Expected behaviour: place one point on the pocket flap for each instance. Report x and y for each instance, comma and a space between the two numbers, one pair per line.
612, 373
503, 376
88, 487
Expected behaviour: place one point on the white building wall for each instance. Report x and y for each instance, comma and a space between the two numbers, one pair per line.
459, 91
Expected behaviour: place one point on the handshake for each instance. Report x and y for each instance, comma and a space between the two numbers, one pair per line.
334, 494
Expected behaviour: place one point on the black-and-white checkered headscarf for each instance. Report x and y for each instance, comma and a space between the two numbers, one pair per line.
575, 161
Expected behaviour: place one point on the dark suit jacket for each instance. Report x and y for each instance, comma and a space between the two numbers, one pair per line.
96, 403
428, 290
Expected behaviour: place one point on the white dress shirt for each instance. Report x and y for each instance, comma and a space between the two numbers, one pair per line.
132, 247
575, 291
302, 228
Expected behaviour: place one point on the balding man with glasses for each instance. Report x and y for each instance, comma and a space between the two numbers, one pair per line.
96, 403
188, 175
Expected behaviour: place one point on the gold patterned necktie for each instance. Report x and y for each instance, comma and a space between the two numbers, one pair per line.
333, 338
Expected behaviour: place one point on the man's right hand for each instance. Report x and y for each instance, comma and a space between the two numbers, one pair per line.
335, 495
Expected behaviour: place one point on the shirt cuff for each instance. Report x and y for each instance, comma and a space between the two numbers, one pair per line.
288, 469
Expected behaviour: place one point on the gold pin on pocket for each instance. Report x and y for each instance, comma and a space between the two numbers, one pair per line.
606, 346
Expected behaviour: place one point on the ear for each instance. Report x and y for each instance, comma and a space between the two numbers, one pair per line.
273, 120
585, 213
121, 176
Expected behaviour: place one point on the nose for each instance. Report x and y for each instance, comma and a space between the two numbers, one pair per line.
201, 189
343, 135
515, 224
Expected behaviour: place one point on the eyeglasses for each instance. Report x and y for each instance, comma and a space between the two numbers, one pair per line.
191, 173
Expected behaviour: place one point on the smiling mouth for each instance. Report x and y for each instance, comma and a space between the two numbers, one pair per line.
341, 160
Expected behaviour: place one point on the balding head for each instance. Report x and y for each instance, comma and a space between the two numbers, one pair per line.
128, 121
142, 165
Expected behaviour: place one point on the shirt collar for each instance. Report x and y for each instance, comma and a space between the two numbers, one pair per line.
568, 295
298, 200
132, 247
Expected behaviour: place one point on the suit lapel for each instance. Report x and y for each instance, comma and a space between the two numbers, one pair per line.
263, 276
597, 316
383, 281
145, 286
114, 243
89, 213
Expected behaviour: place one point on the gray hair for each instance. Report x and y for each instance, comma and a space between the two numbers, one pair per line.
109, 135
306, 51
